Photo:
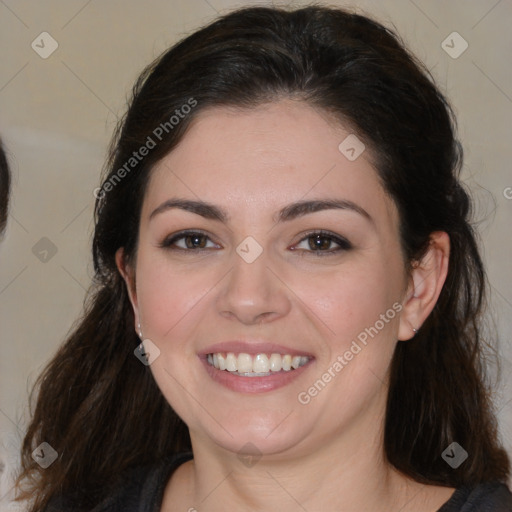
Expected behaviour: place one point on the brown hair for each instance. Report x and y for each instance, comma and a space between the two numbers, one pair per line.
5, 185
100, 408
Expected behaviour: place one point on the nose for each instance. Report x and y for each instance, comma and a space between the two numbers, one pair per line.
253, 293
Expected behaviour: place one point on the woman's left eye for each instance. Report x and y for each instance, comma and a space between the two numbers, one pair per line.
321, 243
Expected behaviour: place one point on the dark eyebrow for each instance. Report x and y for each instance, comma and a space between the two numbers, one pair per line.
300, 208
290, 212
206, 210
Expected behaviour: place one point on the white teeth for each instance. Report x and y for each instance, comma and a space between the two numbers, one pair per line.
244, 363
231, 362
258, 365
276, 362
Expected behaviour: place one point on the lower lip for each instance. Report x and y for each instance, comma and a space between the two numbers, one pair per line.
253, 384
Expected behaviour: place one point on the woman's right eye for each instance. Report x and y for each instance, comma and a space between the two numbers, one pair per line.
188, 240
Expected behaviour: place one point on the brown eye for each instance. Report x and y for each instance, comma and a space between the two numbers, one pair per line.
321, 244
188, 240
195, 241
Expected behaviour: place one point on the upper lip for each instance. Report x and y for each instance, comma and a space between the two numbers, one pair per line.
252, 348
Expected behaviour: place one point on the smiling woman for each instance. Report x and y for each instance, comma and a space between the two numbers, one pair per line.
301, 232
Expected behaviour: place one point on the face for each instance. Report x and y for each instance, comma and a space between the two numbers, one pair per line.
260, 240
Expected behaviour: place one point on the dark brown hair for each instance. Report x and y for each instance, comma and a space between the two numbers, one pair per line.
100, 408
5, 185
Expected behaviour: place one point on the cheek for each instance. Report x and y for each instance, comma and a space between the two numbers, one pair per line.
166, 294
361, 308
352, 299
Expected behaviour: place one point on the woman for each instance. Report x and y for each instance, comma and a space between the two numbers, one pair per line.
288, 291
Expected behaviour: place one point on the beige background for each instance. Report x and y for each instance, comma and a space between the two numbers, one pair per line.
57, 115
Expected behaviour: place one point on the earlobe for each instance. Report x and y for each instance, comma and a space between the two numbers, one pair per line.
128, 275
425, 285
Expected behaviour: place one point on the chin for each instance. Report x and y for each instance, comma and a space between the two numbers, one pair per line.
257, 435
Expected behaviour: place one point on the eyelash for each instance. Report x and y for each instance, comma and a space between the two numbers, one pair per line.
344, 245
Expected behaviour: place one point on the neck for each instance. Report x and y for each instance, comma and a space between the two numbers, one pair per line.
326, 480
348, 472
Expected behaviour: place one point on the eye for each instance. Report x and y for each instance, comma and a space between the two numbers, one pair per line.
321, 242
187, 240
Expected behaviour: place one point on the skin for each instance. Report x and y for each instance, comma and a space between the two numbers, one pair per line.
327, 454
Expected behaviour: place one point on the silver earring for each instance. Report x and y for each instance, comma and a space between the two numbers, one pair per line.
414, 330
140, 331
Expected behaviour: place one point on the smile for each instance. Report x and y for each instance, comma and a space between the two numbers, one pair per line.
258, 365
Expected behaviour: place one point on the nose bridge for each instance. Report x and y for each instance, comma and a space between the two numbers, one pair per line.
251, 291
250, 268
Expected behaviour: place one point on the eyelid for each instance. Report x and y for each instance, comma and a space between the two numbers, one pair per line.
342, 242
168, 241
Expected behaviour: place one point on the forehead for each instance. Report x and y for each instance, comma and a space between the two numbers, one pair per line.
266, 157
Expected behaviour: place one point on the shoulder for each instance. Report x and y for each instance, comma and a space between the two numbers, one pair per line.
485, 497
139, 489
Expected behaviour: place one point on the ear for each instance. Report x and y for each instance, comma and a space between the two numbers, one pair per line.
128, 274
425, 285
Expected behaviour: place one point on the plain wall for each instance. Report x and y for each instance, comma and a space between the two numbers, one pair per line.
57, 115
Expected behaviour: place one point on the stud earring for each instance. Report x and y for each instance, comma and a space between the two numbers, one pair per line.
414, 330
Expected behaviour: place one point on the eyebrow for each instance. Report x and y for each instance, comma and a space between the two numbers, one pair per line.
288, 213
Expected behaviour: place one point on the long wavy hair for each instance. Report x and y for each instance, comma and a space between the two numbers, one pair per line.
100, 408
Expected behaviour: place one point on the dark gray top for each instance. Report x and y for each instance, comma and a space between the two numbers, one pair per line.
143, 488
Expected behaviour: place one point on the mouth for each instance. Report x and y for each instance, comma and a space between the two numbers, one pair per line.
256, 365
257, 372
